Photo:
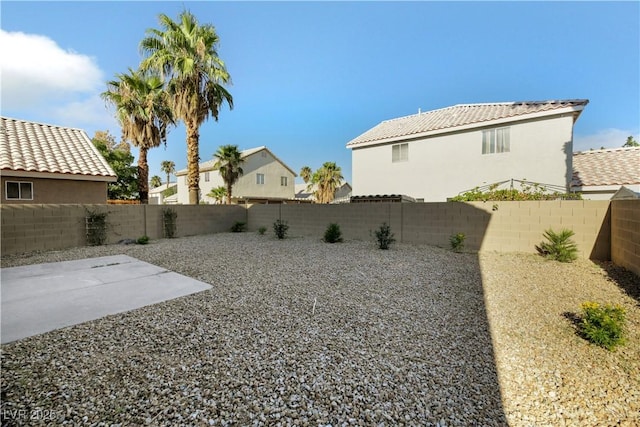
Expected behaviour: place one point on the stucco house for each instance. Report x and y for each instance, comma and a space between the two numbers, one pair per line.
599, 174
42, 163
434, 155
266, 179
304, 194
157, 195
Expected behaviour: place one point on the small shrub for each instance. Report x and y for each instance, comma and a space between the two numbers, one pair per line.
239, 227
558, 246
333, 234
262, 230
384, 236
143, 240
96, 226
280, 228
603, 325
457, 242
169, 217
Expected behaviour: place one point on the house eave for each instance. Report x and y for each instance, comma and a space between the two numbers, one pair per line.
573, 110
51, 175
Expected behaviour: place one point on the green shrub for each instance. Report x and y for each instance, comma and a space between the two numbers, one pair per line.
603, 325
280, 228
333, 234
169, 217
384, 236
262, 230
96, 226
239, 227
559, 246
143, 240
457, 242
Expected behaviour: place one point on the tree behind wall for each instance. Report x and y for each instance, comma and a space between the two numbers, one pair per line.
120, 159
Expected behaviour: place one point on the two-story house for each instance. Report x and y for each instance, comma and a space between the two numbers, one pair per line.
435, 155
265, 179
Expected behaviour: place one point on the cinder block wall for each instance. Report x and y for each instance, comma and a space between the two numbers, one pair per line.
491, 226
36, 227
625, 234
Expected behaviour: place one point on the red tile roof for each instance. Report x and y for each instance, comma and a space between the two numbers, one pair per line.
613, 166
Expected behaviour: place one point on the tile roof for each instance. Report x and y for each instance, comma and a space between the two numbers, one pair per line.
613, 166
460, 115
36, 147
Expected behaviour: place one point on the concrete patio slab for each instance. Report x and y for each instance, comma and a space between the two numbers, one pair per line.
44, 297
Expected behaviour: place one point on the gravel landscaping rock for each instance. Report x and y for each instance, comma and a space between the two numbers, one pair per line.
301, 332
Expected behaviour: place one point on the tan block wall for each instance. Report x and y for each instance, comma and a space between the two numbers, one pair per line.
59, 191
625, 234
37, 227
511, 227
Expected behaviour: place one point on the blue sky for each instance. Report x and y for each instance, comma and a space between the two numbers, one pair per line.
310, 76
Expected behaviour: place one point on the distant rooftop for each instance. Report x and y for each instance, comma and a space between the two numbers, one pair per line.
612, 166
461, 115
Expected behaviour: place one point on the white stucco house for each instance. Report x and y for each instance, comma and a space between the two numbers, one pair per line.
266, 179
157, 195
600, 174
434, 155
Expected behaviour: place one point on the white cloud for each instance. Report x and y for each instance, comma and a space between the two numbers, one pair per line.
36, 71
607, 138
90, 114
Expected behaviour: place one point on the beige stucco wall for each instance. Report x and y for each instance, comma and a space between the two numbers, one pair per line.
59, 191
443, 166
261, 162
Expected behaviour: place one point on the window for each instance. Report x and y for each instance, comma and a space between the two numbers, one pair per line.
400, 152
19, 190
206, 177
260, 178
283, 181
496, 141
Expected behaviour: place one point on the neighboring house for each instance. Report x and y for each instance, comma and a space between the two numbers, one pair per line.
157, 197
599, 174
43, 163
343, 193
435, 155
266, 179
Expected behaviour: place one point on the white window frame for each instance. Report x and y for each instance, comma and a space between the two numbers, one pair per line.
496, 141
20, 183
206, 177
259, 179
284, 181
400, 152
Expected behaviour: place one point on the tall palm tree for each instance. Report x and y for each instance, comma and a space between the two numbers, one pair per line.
144, 115
327, 179
168, 167
229, 162
156, 181
185, 52
305, 174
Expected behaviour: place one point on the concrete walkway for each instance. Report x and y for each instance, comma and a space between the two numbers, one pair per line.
44, 297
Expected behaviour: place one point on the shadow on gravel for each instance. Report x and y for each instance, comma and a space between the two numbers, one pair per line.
576, 322
624, 279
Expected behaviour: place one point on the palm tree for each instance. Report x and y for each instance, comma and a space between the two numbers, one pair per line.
144, 115
168, 167
218, 194
305, 174
185, 52
229, 162
156, 181
327, 179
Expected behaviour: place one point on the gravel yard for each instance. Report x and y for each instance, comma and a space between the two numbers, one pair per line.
299, 332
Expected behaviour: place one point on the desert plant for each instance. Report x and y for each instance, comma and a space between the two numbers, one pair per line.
239, 227
384, 236
558, 246
96, 226
457, 242
280, 228
143, 240
169, 217
262, 230
603, 325
333, 234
